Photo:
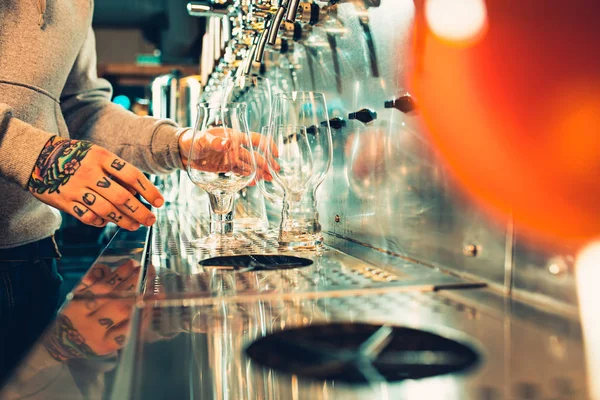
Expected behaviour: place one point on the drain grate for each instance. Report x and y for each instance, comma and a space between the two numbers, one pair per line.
182, 271
361, 353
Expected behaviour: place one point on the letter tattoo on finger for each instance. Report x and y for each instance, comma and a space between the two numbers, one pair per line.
89, 199
103, 183
118, 164
130, 207
141, 185
120, 339
80, 213
106, 322
89, 299
115, 279
113, 215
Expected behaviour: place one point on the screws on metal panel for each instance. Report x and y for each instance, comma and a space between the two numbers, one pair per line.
471, 250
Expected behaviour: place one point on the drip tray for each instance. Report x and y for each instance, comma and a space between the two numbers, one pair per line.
360, 353
255, 262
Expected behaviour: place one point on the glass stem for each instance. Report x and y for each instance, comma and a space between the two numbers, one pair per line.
221, 213
285, 215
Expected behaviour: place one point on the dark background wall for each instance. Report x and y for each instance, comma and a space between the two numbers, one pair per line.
127, 28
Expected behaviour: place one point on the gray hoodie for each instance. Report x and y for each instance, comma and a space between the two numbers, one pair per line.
49, 86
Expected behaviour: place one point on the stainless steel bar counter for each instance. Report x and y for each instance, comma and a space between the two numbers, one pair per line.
149, 322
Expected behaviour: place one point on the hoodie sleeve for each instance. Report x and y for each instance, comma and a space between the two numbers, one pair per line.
20, 146
148, 143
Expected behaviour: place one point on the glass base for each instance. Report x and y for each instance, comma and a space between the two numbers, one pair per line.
300, 241
217, 241
250, 223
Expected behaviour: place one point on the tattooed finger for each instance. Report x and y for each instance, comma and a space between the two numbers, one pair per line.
107, 210
114, 217
80, 211
89, 199
117, 164
131, 178
119, 332
120, 207
106, 322
85, 215
103, 183
96, 274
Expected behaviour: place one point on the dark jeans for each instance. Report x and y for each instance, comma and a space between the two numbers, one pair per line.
29, 293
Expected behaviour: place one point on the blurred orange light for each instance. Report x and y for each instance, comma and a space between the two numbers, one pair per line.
515, 115
459, 21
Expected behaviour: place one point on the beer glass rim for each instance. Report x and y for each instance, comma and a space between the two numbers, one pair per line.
299, 92
219, 105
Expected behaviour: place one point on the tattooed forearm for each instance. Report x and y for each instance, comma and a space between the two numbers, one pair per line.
89, 199
141, 185
130, 207
80, 213
103, 183
118, 164
64, 342
116, 218
58, 161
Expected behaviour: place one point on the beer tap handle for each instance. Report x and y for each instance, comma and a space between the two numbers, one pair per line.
364, 115
275, 24
292, 10
262, 42
250, 56
404, 103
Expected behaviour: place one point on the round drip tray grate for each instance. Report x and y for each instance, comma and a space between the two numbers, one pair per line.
255, 262
360, 353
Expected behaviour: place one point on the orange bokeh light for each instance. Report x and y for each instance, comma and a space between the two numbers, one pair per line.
516, 113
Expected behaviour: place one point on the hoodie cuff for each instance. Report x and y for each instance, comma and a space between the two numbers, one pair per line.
20, 148
165, 147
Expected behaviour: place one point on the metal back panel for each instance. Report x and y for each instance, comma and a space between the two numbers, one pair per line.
387, 189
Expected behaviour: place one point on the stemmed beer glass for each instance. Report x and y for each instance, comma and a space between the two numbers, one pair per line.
256, 92
300, 129
221, 161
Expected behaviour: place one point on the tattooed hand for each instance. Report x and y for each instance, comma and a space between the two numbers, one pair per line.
92, 184
218, 151
93, 323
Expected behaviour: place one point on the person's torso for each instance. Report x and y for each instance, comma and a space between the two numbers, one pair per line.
35, 62
40, 56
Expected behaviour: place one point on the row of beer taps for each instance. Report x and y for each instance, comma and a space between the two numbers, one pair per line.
242, 31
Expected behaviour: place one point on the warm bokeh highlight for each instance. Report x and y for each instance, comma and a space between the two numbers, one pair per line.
515, 112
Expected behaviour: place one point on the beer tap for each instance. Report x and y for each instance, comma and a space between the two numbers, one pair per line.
292, 10
306, 12
262, 41
250, 55
294, 31
276, 23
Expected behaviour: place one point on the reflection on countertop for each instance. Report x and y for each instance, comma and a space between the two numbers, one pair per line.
145, 326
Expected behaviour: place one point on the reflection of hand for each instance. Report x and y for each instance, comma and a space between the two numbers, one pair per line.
366, 152
92, 184
95, 325
218, 153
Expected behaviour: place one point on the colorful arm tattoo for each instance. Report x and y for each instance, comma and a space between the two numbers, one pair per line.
64, 342
59, 160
